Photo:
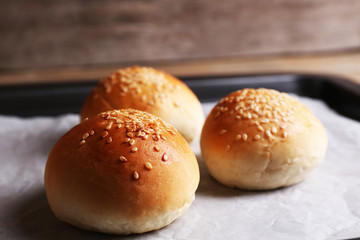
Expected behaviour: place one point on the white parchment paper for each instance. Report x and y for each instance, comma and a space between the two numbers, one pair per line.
325, 206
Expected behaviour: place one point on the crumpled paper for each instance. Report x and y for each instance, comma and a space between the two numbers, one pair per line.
325, 206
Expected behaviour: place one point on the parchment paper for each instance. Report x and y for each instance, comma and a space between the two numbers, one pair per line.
325, 206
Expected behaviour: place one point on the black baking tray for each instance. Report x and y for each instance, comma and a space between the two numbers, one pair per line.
59, 98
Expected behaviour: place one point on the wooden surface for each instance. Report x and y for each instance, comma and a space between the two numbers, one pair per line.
341, 64
54, 33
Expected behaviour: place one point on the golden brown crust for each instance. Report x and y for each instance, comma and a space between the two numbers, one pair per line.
266, 138
149, 90
125, 165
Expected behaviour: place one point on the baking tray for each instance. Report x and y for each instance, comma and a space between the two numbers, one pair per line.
31, 218
59, 98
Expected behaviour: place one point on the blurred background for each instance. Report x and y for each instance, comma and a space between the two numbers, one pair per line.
52, 40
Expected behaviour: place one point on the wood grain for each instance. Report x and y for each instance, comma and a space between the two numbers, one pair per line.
50, 33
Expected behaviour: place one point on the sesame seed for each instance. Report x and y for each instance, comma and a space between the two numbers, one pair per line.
108, 127
283, 126
92, 132
155, 138
256, 123
165, 157
130, 134
136, 175
132, 142
127, 140
145, 137
268, 133
156, 148
85, 136
245, 136
138, 134
260, 128
86, 119
238, 117
109, 140
285, 134
265, 120
274, 130
82, 142
148, 165
104, 134
133, 149
222, 131
119, 125
257, 137
238, 137
123, 159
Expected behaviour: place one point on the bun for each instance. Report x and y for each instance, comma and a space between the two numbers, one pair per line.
261, 139
149, 90
121, 172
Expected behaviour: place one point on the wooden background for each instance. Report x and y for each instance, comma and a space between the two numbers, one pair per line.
54, 33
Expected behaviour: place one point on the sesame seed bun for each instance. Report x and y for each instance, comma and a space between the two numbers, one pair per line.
121, 172
261, 139
149, 90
